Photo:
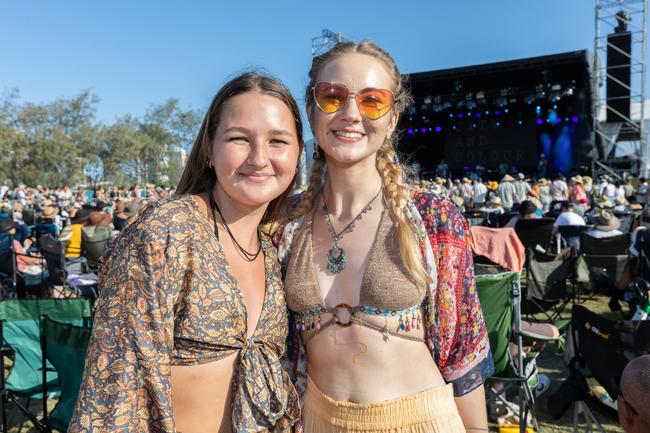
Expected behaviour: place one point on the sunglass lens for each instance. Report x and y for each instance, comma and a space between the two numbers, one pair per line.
375, 103
330, 97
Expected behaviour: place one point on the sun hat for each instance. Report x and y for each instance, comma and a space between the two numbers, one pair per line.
521, 176
607, 221
496, 200
577, 179
49, 212
507, 178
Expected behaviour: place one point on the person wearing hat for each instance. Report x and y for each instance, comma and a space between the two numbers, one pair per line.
521, 188
494, 206
507, 192
606, 226
578, 195
32, 264
50, 215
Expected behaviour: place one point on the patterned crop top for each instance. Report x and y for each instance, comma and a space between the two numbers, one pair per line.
386, 289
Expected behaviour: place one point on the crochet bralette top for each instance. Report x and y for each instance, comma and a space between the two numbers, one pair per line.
386, 289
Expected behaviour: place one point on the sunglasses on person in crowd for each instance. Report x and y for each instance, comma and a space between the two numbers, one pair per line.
372, 103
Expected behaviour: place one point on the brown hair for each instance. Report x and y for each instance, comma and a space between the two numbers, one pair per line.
197, 176
392, 173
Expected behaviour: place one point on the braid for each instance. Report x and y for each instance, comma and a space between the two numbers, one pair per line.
397, 195
309, 196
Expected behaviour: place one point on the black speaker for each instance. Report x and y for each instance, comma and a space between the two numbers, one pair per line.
619, 61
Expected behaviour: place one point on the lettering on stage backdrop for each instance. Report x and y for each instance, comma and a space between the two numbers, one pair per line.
515, 146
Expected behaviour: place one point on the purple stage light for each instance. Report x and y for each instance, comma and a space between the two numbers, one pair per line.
460, 115
423, 130
575, 119
478, 115
497, 113
409, 131
540, 121
438, 128
558, 120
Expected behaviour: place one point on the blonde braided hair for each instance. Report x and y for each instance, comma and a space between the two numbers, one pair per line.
396, 192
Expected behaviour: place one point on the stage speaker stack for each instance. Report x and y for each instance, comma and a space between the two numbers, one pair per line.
619, 60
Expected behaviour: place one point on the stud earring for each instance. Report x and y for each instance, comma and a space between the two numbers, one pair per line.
209, 163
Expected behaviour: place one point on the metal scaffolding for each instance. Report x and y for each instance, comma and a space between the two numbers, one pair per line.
325, 41
628, 131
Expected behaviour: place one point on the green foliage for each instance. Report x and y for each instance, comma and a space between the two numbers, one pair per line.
62, 142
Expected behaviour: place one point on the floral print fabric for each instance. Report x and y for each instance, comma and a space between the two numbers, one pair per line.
167, 298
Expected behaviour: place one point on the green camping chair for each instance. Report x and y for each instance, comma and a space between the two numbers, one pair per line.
64, 345
500, 296
20, 332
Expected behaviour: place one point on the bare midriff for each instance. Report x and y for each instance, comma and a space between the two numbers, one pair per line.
362, 365
201, 396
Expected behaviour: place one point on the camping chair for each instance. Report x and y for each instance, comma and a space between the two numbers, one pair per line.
20, 333
604, 259
533, 232
570, 235
58, 266
496, 220
476, 217
39, 230
30, 286
602, 349
64, 345
94, 241
500, 297
547, 278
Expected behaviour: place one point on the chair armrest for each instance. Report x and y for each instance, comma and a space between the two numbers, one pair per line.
531, 336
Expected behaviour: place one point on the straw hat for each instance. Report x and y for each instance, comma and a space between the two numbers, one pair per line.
507, 178
496, 201
607, 221
49, 212
542, 181
577, 179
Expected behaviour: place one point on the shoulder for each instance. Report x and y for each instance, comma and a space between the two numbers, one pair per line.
439, 214
160, 219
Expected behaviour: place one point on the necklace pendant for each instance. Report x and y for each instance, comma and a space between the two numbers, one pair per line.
336, 259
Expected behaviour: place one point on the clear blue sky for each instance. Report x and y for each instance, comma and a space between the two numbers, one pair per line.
136, 53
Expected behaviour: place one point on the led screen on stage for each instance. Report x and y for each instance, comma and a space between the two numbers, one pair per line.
490, 147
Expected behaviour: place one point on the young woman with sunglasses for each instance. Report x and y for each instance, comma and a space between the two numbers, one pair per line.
192, 321
389, 331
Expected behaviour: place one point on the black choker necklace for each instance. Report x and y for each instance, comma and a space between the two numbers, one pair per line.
242, 252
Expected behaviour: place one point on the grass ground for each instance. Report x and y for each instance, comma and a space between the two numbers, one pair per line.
548, 363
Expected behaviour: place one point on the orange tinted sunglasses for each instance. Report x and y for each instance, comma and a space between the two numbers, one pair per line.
372, 103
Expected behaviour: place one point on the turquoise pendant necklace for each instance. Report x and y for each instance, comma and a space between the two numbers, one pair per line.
336, 258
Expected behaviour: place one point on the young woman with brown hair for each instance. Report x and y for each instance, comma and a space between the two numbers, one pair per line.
191, 321
378, 275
